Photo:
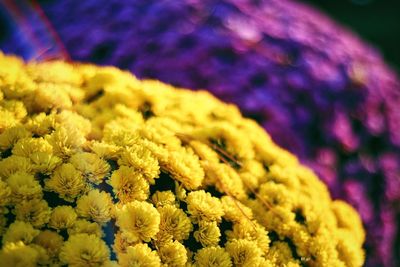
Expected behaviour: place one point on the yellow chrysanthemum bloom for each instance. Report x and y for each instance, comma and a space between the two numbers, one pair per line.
62, 217
173, 254
208, 234
96, 206
19, 254
129, 184
24, 187
84, 250
20, 231
67, 182
93, 168
139, 255
51, 242
204, 207
174, 223
138, 221
212, 257
244, 253
35, 211
162, 198
85, 227
93, 160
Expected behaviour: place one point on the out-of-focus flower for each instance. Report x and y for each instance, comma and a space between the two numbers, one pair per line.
36, 212
51, 242
82, 249
62, 217
144, 175
20, 231
19, 254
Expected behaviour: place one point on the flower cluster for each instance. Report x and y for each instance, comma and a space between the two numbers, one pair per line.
108, 170
316, 88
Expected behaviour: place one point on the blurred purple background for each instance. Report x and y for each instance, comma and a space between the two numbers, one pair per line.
319, 90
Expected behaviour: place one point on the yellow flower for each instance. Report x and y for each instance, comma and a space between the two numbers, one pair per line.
50, 241
252, 231
24, 187
13, 164
25, 147
5, 194
62, 217
35, 211
10, 136
228, 138
174, 223
139, 255
204, 207
39, 151
85, 227
346, 249
138, 221
348, 219
141, 159
173, 254
162, 198
121, 244
234, 210
41, 124
67, 182
83, 250
8, 120
129, 184
120, 132
47, 97
225, 179
204, 152
19, 255
184, 166
65, 142
208, 234
43, 257
281, 255
104, 150
92, 167
244, 253
73, 121
20, 231
96, 206
212, 257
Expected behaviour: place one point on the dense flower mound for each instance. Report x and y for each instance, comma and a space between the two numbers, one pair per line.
101, 169
316, 88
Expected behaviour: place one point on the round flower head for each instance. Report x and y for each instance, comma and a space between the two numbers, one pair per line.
96, 206
62, 217
84, 250
140, 255
317, 88
138, 221
146, 175
19, 254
